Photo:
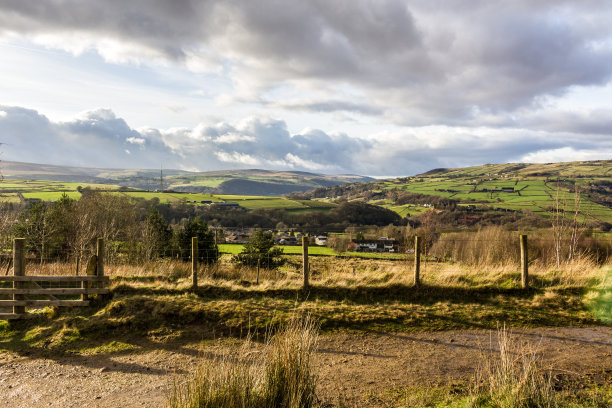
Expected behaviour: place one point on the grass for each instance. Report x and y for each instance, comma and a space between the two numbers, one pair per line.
317, 251
280, 375
153, 306
514, 379
345, 294
511, 377
287, 249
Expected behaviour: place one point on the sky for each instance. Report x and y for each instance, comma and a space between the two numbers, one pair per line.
374, 87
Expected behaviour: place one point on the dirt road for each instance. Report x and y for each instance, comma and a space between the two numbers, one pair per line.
359, 368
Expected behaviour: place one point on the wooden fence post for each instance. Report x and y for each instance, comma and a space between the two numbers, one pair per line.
258, 262
100, 255
18, 270
524, 262
194, 262
417, 261
305, 261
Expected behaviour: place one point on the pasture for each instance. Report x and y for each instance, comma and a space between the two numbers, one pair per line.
53, 190
482, 185
314, 250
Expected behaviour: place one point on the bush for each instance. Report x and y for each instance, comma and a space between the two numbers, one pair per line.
260, 250
207, 249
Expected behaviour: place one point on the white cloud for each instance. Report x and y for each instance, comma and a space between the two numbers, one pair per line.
136, 140
101, 139
565, 154
239, 158
233, 138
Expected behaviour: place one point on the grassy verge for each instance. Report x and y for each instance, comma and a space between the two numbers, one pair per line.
154, 303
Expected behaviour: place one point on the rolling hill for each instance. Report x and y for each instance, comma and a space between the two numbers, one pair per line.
513, 187
249, 182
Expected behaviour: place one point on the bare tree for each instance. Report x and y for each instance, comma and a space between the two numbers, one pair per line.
103, 215
565, 231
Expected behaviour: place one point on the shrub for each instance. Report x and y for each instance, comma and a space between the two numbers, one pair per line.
260, 250
207, 248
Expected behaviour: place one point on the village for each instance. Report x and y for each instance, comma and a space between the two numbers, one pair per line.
382, 244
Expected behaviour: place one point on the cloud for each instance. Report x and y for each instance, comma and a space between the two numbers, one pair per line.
586, 122
101, 139
416, 63
329, 106
567, 154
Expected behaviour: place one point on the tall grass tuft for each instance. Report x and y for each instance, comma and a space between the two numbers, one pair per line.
489, 246
281, 375
514, 378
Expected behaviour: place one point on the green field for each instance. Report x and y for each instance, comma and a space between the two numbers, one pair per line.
315, 251
535, 187
538, 188
52, 195
287, 249
53, 190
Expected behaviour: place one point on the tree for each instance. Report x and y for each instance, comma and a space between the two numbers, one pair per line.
338, 242
156, 235
207, 248
260, 250
108, 216
359, 213
36, 227
61, 215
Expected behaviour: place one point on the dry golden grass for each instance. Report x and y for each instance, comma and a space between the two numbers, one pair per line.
514, 377
280, 375
339, 272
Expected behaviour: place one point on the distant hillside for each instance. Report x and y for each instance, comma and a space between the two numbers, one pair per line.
512, 187
251, 182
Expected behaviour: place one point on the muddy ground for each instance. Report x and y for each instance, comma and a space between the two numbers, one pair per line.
361, 370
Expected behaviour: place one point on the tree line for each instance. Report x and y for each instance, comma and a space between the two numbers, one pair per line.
133, 231
138, 230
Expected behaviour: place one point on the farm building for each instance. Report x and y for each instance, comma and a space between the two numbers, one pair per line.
374, 245
321, 240
237, 238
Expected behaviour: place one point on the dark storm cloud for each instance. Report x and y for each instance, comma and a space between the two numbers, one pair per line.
419, 62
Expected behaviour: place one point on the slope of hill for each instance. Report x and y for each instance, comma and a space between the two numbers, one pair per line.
507, 187
253, 182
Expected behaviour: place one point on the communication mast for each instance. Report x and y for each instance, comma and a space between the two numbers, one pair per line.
161, 179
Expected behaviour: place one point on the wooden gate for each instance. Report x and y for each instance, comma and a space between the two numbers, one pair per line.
41, 291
